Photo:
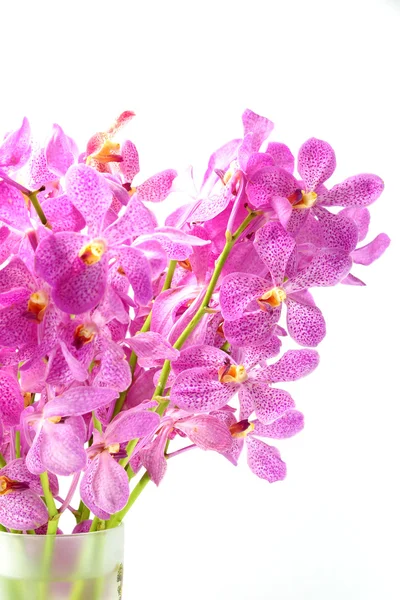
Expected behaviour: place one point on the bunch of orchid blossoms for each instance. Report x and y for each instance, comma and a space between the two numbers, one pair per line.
120, 337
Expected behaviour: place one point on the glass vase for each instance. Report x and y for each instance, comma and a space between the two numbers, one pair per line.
87, 566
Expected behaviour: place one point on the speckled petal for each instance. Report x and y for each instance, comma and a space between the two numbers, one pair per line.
253, 329
13, 209
361, 217
338, 231
130, 161
281, 155
61, 450
237, 291
22, 510
259, 126
293, 365
61, 151
372, 251
11, 400
269, 403
269, 182
17, 471
157, 187
110, 484
136, 220
196, 391
274, 246
114, 371
16, 148
305, 322
56, 254
79, 401
15, 328
137, 269
62, 214
265, 461
286, 426
211, 206
359, 190
150, 347
89, 192
16, 275
207, 432
316, 162
86, 489
208, 357
152, 457
131, 424
219, 160
326, 268
82, 288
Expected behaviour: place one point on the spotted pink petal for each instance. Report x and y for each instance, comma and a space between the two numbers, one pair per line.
130, 161
150, 347
16, 275
131, 424
352, 280
325, 269
56, 254
268, 182
89, 192
274, 246
110, 484
13, 209
82, 288
79, 401
251, 356
372, 251
22, 510
259, 126
293, 365
361, 218
359, 190
253, 329
16, 148
138, 272
38, 171
244, 258
281, 155
61, 151
177, 244
210, 206
269, 403
208, 357
157, 187
219, 160
155, 255
305, 322
167, 304
17, 471
338, 231
257, 161
207, 432
265, 461
62, 214
136, 220
283, 209
61, 449
288, 425
87, 492
79, 372
195, 390
152, 456
114, 371
15, 328
237, 291
11, 400
316, 162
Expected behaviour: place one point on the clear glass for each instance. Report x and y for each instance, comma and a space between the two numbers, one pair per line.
87, 566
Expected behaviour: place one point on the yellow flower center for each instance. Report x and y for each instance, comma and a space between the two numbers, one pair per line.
92, 252
107, 153
83, 334
37, 304
308, 199
54, 419
241, 429
232, 374
113, 448
5, 485
272, 298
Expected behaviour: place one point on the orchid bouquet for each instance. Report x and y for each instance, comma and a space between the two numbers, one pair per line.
124, 343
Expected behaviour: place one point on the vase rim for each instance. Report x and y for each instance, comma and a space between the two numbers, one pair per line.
59, 535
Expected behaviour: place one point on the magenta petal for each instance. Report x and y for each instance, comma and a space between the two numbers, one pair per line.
274, 246
130, 161
86, 489
16, 275
293, 365
137, 269
269, 182
152, 457
62, 214
237, 291
286, 426
157, 187
13, 209
283, 209
17, 470
136, 220
143, 388
269, 403
15, 328
196, 391
265, 461
61, 449
11, 400
282, 156
372, 251
207, 432
16, 148
326, 268
253, 329
219, 160
361, 218
359, 190
316, 162
110, 484
305, 322
79, 401
131, 424
89, 192
352, 280
60, 152
82, 288
208, 357
259, 126
22, 510
56, 254
114, 371
150, 347
209, 207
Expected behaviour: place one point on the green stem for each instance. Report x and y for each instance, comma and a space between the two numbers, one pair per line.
51, 505
39, 211
18, 444
83, 512
3, 461
2, 528
169, 275
97, 524
96, 423
116, 519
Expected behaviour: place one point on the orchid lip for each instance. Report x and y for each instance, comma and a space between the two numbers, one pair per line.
92, 252
241, 429
8, 485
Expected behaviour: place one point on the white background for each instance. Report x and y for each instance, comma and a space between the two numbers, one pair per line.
188, 70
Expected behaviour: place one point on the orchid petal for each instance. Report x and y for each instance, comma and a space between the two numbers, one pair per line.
196, 391
293, 365
61, 450
110, 484
79, 401
316, 162
253, 329
61, 151
269, 403
207, 432
359, 190
265, 461
150, 347
157, 187
237, 291
291, 423
372, 251
306, 324
274, 246
131, 424
22, 510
